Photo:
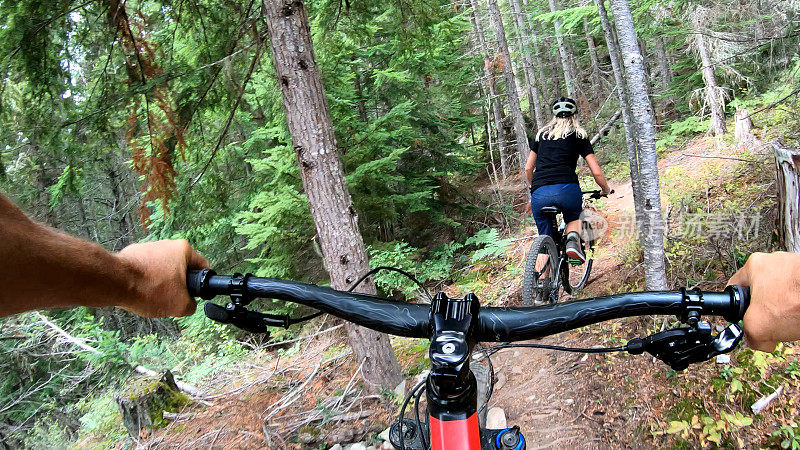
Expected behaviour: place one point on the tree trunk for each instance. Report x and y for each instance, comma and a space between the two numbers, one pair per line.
124, 225
643, 121
144, 401
535, 49
664, 73
597, 78
645, 60
544, 83
321, 169
520, 134
566, 64
362, 108
714, 96
523, 35
630, 136
603, 131
743, 127
787, 161
494, 99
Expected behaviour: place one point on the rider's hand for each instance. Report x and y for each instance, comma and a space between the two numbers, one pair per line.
774, 312
161, 267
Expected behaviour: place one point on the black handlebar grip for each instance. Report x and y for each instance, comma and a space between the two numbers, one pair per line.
217, 313
197, 283
741, 300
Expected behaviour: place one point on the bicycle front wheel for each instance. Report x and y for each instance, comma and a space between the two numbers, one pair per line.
540, 282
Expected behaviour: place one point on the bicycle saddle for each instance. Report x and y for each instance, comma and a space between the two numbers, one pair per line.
547, 210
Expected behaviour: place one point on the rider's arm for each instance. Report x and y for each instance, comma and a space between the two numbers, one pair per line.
597, 173
529, 166
774, 312
43, 268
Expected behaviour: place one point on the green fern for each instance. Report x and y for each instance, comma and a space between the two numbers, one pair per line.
490, 244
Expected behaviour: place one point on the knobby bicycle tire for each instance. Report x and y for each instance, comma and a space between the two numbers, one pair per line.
536, 290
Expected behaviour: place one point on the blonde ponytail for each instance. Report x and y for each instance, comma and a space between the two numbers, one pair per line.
561, 127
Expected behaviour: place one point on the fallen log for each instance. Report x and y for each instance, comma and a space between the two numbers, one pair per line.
604, 129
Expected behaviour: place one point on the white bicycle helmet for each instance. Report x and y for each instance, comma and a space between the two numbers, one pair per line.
564, 107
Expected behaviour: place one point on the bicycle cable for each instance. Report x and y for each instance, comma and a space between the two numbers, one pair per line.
393, 269
412, 393
495, 348
419, 422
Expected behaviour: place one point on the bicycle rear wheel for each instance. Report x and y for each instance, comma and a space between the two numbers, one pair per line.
577, 276
541, 280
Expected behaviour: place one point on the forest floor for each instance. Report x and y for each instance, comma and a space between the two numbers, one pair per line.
559, 400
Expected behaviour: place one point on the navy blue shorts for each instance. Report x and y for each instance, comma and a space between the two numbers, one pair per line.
567, 197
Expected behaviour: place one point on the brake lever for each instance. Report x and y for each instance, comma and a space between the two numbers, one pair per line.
683, 346
252, 321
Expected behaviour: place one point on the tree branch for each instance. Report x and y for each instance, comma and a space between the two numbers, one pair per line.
224, 131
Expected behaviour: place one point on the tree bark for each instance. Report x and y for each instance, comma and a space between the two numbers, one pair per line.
664, 72
564, 53
511, 85
523, 35
535, 49
743, 127
714, 96
643, 121
145, 400
494, 99
362, 108
322, 172
630, 136
604, 129
597, 78
787, 161
124, 223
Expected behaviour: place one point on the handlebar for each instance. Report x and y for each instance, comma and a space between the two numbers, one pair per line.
597, 194
494, 324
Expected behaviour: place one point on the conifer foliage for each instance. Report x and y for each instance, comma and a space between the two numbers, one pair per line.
125, 120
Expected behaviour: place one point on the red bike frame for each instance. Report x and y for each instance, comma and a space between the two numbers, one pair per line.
455, 434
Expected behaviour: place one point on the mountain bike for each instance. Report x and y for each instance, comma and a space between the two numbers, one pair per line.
454, 326
545, 275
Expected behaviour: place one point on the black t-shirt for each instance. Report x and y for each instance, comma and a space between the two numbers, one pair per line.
557, 159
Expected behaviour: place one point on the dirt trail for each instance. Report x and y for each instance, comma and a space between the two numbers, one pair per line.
538, 389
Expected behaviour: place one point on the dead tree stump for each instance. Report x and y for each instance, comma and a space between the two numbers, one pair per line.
143, 403
743, 127
787, 161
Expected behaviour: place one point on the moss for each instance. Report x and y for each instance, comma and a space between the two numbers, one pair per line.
177, 429
685, 409
163, 396
311, 430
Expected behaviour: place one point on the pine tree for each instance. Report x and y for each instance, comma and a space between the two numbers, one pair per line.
622, 95
520, 135
564, 52
714, 96
643, 120
494, 98
531, 84
323, 177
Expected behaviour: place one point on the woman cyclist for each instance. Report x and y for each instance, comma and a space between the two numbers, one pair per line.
554, 156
